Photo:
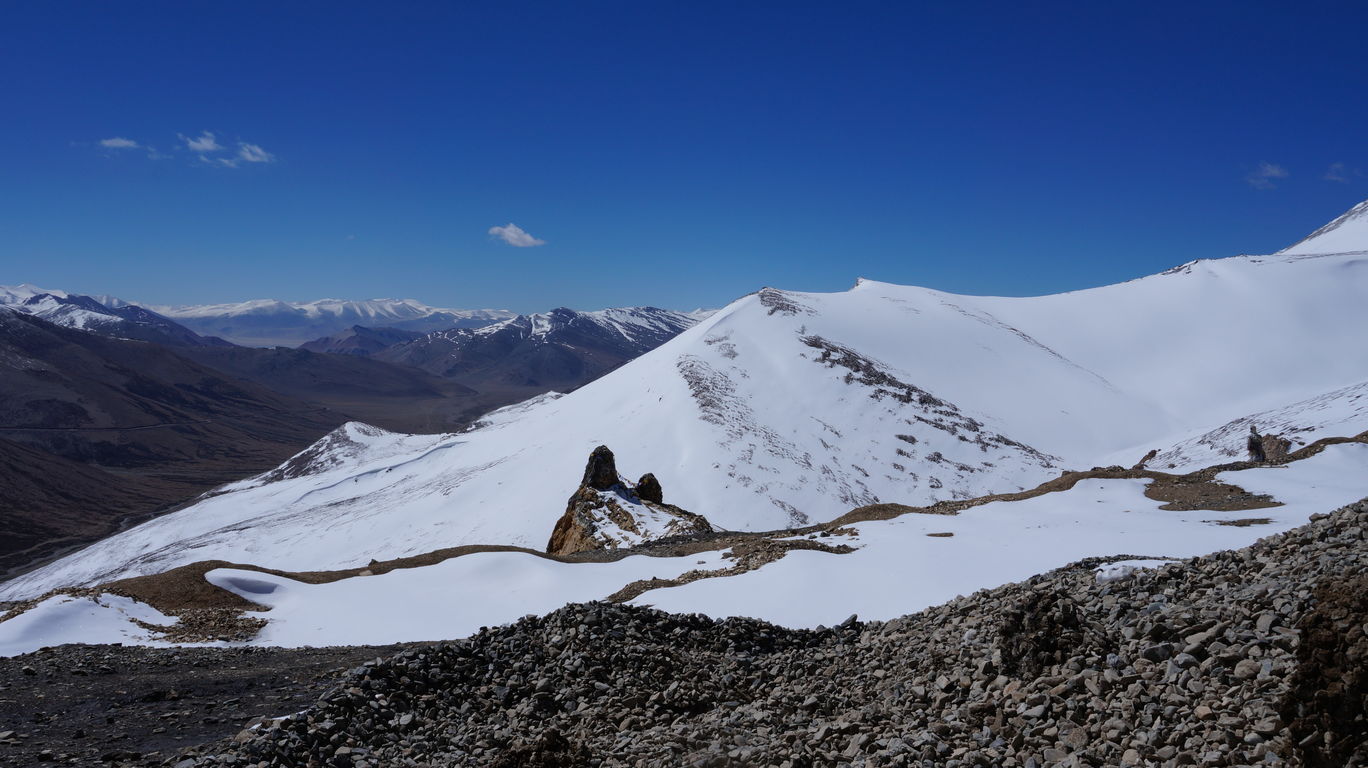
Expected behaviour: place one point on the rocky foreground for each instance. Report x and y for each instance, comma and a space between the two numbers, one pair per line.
124, 706
1249, 657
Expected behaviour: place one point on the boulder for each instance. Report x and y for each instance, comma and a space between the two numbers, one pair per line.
648, 489
601, 471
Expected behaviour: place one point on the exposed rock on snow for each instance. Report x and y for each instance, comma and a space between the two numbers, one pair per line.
1343, 411
1270, 448
608, 513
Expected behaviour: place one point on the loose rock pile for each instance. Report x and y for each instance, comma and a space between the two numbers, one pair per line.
1249, 657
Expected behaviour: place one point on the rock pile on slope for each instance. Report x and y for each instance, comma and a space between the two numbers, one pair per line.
606, 512
1270, 448
1248, 657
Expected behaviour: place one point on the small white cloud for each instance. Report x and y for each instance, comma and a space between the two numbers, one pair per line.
251, 153
1263, 176
118, 142
515, 236
1341, 173
205, 142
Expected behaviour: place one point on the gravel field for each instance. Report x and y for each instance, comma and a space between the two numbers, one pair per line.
115, 705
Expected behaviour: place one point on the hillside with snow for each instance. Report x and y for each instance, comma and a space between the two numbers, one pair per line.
270, 322
1346, 234
786, 408
103, 315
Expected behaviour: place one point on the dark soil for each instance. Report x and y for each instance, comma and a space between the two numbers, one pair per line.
1327, 704
87, 705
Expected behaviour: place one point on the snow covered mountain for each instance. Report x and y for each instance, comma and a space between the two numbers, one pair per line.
268, 322
561, 349
104, 315
790, 407
1346, 234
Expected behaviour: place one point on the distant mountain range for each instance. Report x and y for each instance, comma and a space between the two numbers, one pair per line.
268, 322
558, 350
98, 425
116, 318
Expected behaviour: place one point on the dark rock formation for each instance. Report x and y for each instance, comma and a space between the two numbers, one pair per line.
1254, 444
648, 489
607, 513
601, 471
1270, 448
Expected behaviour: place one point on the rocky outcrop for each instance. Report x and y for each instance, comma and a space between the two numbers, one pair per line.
601, 472
1275, 447
606, 512
648, 489
1270, 448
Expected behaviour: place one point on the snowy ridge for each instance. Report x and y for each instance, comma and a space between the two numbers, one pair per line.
270, 321
18, 294
634, 324
931, 559
1343, 412
785, 408
104, 315
1346, 234
373, 311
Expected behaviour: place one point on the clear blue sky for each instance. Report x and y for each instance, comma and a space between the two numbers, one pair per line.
669, 153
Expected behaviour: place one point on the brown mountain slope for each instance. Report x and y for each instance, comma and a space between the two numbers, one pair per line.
51, 503
115, 428
388, 395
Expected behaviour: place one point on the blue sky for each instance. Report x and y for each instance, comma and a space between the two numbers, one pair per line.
667, 153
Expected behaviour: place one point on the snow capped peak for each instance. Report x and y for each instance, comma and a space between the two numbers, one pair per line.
18, 294
1346, 234
105, 315
272, 322
631, 323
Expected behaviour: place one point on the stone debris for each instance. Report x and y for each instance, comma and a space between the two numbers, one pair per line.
1241, 658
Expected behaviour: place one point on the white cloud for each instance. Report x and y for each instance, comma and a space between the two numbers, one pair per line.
251, 153
205, 142
1341, 173
515, 236
1263, 176
204, 146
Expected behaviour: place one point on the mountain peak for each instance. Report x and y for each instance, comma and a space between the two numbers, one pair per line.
1346, 234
